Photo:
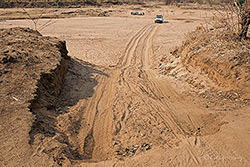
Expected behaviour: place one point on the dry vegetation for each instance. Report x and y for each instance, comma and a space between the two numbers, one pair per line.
65, 3
220, 51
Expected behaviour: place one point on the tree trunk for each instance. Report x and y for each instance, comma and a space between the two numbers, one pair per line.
245, 25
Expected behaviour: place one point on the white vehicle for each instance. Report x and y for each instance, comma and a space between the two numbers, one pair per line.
137, 13
159, 19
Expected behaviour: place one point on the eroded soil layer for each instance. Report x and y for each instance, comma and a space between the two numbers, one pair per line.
32, 71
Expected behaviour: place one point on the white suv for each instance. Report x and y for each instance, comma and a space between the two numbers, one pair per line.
159, 19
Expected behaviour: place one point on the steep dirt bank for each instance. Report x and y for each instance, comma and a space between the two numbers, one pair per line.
215, 63
39, 85
32, 73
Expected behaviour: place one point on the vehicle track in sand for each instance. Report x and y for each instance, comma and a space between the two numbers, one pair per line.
133, 106
114, 98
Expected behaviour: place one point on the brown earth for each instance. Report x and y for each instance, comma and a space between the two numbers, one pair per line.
215, 64
121, 111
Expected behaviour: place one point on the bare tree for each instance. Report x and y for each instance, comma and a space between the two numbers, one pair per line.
243, 12
236, 18
36, 19
1, 3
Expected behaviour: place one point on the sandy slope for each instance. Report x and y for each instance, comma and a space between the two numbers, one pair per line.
133, 104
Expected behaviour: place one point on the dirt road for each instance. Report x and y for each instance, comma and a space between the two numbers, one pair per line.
134, 116
133, 107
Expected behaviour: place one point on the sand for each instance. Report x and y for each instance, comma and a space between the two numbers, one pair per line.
124, 112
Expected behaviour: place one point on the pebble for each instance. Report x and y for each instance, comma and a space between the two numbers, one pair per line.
131, 150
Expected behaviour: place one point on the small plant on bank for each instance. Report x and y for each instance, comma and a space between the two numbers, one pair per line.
36, 19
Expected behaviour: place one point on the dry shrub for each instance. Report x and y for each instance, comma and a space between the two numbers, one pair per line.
35, 20
235, 17
243, 13
210, 2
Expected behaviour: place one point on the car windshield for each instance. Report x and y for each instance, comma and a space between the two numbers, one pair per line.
158, 16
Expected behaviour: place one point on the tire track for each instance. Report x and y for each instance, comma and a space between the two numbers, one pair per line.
132, 106
164, 106
151, 88
99, 115
143, 65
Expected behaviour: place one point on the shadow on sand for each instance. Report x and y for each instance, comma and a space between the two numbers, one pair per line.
79, 84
